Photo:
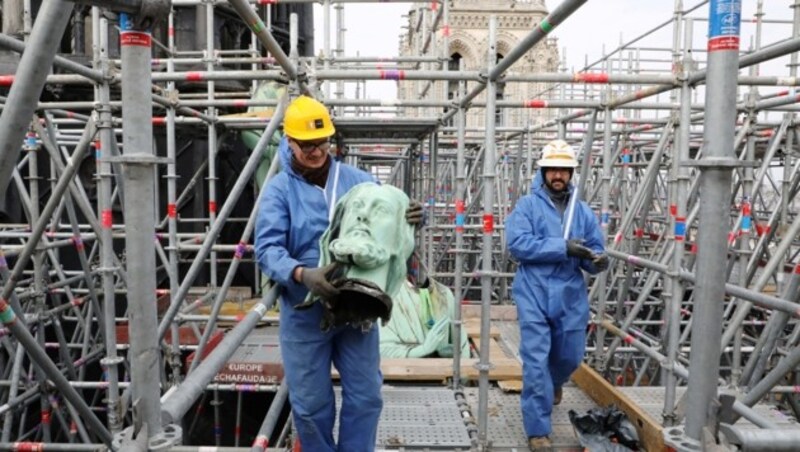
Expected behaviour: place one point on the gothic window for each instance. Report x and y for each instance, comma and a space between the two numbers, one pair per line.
500, 88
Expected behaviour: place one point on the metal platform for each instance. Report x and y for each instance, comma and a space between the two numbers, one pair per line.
505, 430
419, 418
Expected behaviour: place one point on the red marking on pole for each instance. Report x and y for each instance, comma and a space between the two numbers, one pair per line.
536, 103
267, 2
171, 31
6, 80
240, 103
797, 269
76, 302
392, 74
488, 223
107, 218
159, 120
783, 93
434, 6
261, 441
212, 207
97, 145
46, 417
766, 133
746, 209
237, 431
639, 233
194, 76
73, 427
459, 206
26, 446
673, 209
172, 210
591, 77
135, 39
723, 43
647, 127
628, 339
239, 317
446, 30
640, 94
77, 242
694, 248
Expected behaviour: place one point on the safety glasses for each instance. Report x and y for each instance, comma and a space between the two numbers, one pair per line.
308, 147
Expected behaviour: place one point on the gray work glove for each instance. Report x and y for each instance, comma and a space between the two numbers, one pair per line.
575, 248
414, 214
437, 336
316, 280
600, 262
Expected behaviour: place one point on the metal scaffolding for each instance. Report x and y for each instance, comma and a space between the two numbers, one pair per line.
698, 201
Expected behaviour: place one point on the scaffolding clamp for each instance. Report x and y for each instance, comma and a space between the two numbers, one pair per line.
720, 163
138, 159
109, 361
483, 367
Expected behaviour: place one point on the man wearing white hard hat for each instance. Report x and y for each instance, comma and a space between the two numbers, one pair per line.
553, 236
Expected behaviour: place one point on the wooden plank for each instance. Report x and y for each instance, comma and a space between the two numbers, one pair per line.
437, 369
604, 394
473, 328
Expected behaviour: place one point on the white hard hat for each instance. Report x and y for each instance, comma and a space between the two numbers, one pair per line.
558, 154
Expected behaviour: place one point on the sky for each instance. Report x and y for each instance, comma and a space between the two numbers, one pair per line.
373, 30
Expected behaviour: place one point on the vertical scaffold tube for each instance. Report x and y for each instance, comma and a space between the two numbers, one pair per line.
715, 177
139, 209
488, 229
460, 219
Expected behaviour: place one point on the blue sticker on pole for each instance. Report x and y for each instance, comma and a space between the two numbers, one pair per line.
724, 22
605, 217
746, 223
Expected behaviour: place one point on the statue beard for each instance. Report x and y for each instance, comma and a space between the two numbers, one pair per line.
360, 251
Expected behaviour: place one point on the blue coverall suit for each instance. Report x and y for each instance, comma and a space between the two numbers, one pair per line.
293, 214
551, 297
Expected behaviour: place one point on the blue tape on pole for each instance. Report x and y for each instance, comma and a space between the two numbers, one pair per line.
724, 23
626, 158
724, 18
604, 217
7, 315
746, 223
459, 219
680, 229
125, 22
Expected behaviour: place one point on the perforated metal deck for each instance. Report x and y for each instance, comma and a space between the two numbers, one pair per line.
419, 418
505, 430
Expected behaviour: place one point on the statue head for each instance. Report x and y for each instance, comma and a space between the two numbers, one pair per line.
370, 237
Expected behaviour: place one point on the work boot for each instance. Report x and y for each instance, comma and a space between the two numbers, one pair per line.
557, 396
540, 444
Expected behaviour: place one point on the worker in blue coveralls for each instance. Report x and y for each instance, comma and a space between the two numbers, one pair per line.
553, 236
294, 210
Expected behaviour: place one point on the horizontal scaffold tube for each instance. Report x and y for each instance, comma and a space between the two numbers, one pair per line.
758, 298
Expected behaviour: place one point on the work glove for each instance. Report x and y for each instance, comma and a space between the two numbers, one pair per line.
575, 248
316, 280
600, 262
436, 336
414, 213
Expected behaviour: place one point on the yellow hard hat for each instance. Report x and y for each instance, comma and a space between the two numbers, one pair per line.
307, 119
558, 154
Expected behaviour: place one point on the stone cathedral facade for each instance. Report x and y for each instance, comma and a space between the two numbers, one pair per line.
466, 36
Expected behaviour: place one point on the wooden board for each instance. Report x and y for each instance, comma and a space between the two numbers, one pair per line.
438, 369
604, 394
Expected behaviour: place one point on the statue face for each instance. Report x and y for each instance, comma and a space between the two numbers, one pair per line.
372, 216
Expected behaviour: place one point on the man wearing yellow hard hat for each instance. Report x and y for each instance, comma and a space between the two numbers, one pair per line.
294, 210
553, 236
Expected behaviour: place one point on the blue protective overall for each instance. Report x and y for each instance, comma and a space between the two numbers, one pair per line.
551, 297
293, 214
